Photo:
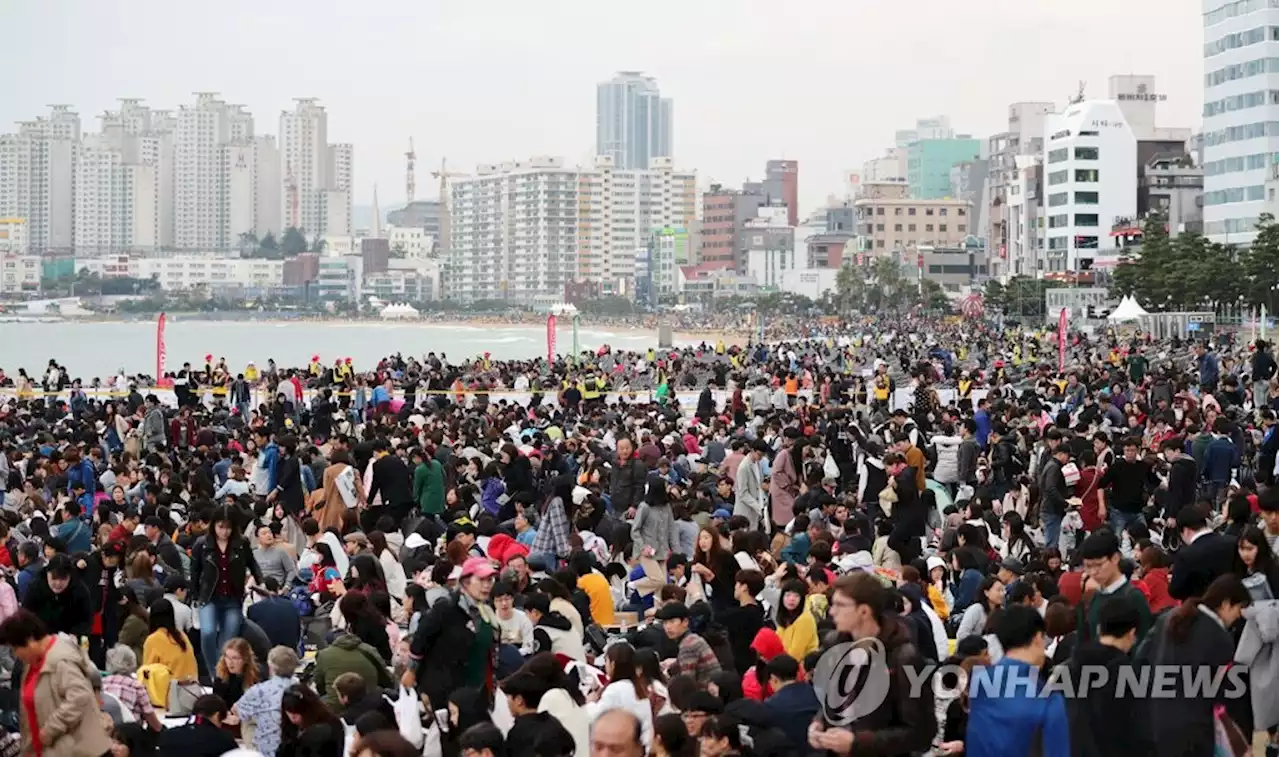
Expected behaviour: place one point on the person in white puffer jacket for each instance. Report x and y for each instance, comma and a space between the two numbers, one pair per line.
626, 690
946, 446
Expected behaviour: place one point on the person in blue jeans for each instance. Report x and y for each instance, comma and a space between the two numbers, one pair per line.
220, 566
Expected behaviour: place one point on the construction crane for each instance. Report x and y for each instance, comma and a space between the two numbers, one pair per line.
291, 188
409, 184
444, 174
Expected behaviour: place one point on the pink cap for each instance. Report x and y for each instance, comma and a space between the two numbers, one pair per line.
480, 567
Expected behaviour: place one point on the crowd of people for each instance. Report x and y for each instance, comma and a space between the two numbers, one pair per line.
627, 553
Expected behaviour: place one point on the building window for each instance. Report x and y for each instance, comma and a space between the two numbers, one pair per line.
879, 227
1057, 243
897, 227
879, 244
1058, 198
942, 227
928, 227
1087, 175
911, 211
897, 211
942, 211
960, 211
1058, 221
911, 227
960, 228
928, 211
1058, 177
1086, 243
879, 211
1059, 155
1084, 198
1086, 153
1086, 219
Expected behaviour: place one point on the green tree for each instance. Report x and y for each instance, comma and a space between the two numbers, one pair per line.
269, 246
1260, 266
319, 245
398, 251
850, 288
248, 243
293, 242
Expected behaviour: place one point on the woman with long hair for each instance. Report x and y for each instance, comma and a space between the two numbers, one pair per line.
220, 565
716, 567
135, 625
1017, 541
1196, 637
468, 706
168, 646
363, 620
627, 689
140, 577
990, 596
649, 666
1256, 564
365, 575
237, 670
796, 628
392, 570
720, 737
563, 700
307, 727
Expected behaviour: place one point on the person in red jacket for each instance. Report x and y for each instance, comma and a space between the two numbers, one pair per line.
182, 430
1155, 577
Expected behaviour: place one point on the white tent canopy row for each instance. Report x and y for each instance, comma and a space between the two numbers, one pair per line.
399, 311
1127, 310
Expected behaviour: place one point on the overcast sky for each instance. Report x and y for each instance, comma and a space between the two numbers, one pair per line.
824, 82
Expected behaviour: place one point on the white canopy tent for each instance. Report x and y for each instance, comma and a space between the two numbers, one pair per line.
1127, 310
399, 312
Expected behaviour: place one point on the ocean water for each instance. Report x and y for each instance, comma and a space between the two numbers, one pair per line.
101, 349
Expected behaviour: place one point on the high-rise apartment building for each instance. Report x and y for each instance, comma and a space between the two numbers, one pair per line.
204, 129
725, 213
630, 205
1023, 136
315, 189
1241, 131
633, 121
37, 175
524, 231
929, 163
514, 230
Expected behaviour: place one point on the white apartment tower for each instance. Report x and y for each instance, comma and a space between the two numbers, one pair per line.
1241, 131
337, 193
203, 131
305, 159
37, 174
514, 232
1090, 183
620, 208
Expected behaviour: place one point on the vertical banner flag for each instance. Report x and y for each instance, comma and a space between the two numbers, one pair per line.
551, 338
1062, 340
760, 323
576, 348
160, 348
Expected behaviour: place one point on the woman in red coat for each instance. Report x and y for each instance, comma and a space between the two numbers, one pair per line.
1155, 576
1087, 490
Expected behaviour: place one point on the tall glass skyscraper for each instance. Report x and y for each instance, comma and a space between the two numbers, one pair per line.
633, 122
1241, 132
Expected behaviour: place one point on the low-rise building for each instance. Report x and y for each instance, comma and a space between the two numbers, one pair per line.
192, 272
886, 225
341, 278
19, 273
13, 236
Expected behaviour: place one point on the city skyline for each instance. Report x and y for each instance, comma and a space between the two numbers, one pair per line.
528, 98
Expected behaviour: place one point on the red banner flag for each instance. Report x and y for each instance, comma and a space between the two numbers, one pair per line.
551, 338
160, 348
1062, 340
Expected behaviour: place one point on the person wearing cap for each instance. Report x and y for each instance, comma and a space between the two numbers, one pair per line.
748, 487
356, 543
694, 655
456, 642
1010, 570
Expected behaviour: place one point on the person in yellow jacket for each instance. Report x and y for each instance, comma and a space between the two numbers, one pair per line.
251, 373
796, 626
168, 646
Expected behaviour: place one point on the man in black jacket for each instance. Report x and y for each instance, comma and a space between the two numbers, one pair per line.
1181, 490
1203, 556
1105, 720
288, 492
1053, 493
63, 604
391, 480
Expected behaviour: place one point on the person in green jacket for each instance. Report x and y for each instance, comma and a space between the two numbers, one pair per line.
348, 654
428, 483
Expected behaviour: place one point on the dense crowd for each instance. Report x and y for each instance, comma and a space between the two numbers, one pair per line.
659, 552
